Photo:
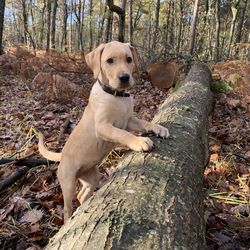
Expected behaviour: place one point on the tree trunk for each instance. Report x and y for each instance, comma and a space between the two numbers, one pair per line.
193, 27
121, 12
25, 24
156, 28
130, 23
2, 7
64, 31
108, 32
48, 24
155, 199
240, 25
53, 25
217, 32
234, 8
41, 36
180, 37
90, 25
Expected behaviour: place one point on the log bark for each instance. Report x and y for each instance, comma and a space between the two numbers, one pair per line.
155, 199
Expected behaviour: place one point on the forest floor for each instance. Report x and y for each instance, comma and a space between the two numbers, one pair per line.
31, 208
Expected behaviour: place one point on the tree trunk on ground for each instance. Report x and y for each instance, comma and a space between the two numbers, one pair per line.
2, 7
154, 200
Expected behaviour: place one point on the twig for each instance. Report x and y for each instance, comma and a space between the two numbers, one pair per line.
13, 178
20, 172
25, 162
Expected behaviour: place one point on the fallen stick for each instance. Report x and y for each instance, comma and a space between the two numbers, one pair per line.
20, 172
25, 162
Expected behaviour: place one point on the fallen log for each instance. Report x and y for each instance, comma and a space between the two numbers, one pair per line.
154, 200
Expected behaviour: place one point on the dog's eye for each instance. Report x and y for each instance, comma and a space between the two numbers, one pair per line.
129, 59
110, 60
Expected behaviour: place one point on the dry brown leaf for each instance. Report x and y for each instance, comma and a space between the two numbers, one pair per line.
32, 216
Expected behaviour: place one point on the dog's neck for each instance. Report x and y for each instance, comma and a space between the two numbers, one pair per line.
110, 91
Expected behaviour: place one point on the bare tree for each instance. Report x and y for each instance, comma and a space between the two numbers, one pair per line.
53, 24
156, 28
48, 24
121, 12
108, 33
242, 15
64, 31
25, 25
90, 25
234, 9
41, 35
193, 27
130, 24
217, 32
2, 7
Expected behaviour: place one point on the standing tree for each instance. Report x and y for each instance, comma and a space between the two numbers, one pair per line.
130, 24
121, 12
2, 7
64, 31
217, 32
239, 30
53, 25
234, 9
25, 25
48, 24
193, 27
156, 29
90, 25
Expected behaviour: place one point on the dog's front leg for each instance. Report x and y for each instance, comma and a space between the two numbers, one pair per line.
107, 132
138, 125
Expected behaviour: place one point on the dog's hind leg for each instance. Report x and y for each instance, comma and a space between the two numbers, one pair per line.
67, 180
89, 180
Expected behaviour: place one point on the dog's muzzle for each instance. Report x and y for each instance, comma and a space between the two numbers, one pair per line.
124, 78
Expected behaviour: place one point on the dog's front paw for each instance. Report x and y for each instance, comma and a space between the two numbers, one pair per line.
160, 130
141, 144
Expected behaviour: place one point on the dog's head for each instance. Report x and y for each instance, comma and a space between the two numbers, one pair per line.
114, 64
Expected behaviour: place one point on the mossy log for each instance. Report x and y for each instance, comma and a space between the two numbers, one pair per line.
155, 199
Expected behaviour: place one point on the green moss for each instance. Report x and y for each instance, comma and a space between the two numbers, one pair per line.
177, 86
221, 87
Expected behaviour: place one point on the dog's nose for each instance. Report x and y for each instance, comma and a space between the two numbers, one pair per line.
124, 78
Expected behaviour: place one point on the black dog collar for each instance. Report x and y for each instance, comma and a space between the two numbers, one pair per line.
110, 91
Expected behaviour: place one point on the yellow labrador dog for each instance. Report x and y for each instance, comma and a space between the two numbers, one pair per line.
106, 122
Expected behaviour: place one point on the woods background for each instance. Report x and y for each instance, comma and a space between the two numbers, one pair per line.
207, 30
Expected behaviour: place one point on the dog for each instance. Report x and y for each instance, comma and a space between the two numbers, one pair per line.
107, 121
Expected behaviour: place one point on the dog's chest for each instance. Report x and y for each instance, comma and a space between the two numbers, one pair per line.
122, 111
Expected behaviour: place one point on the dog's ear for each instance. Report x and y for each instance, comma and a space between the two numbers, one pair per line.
93, 59
135, 59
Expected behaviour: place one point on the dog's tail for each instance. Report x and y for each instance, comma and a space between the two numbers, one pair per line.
45, 152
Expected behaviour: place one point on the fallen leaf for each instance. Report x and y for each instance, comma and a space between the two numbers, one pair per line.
32, 216
215, 148
233, 102
214, 157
